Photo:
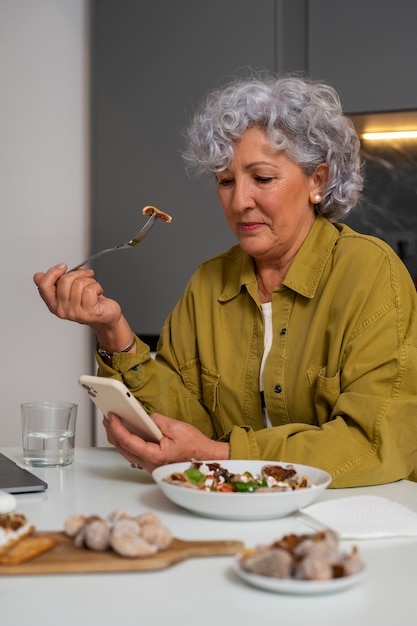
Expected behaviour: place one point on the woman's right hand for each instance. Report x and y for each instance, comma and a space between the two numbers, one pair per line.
77, 297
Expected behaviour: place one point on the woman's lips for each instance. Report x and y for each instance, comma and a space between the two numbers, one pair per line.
248, 227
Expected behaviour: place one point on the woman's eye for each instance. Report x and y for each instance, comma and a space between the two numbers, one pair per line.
224, 182
263, 179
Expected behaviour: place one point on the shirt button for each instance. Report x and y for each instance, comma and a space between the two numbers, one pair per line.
135, 368
277, 388
283, 331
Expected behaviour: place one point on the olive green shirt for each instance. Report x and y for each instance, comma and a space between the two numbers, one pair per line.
340, 381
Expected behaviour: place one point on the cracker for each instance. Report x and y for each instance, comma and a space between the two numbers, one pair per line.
11, 543
26, 549
13, 528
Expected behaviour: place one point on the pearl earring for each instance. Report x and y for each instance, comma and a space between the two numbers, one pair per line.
317, 198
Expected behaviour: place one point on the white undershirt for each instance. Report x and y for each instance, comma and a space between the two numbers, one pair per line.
267, 313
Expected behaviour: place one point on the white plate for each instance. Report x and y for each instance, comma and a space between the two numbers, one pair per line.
299, 587
243, 506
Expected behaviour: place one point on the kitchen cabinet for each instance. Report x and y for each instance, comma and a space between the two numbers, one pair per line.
367, 50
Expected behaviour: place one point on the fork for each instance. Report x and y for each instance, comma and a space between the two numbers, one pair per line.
140, 236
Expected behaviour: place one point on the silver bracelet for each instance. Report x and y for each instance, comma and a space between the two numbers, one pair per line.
104, 353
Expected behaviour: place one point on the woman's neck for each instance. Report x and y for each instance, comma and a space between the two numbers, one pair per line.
268, 280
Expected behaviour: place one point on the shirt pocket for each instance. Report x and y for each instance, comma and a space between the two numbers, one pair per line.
191, 376
202, 382
326, 392
210, 381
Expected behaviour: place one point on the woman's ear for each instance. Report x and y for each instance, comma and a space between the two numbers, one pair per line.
318, 182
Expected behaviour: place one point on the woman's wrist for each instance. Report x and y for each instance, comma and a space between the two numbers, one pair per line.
118, 339
220, 450
107, 354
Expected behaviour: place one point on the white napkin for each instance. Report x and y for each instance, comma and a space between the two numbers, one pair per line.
364, 517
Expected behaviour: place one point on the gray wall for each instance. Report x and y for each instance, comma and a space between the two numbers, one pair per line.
152, 62
44, 200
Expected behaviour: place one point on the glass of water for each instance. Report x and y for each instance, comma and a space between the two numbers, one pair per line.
48, 433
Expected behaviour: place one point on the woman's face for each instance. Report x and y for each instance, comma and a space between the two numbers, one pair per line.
267, 199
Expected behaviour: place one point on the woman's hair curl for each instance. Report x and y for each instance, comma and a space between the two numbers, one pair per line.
301, 117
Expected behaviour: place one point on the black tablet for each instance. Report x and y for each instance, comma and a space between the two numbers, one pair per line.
15, 479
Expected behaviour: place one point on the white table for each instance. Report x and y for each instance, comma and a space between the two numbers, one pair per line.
203, 591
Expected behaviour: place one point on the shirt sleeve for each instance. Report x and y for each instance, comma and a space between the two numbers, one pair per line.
159, 383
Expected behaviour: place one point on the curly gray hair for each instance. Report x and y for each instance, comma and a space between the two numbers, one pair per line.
302, 117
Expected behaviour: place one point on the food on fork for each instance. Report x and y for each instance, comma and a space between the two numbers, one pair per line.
128, 536
302, 557
150, 210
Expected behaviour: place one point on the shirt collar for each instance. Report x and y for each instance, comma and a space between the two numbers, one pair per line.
306, 268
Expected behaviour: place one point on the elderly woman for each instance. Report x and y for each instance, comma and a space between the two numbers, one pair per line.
298, 344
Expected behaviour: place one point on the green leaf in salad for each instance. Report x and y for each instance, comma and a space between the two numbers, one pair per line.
246, 487
195, 476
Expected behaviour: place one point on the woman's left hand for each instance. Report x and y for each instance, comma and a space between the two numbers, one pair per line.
180, 442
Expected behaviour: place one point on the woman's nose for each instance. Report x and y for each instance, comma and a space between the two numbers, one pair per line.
243, 197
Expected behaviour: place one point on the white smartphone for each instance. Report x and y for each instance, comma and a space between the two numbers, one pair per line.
112, 396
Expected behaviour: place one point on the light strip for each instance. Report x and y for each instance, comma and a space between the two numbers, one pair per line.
403, 134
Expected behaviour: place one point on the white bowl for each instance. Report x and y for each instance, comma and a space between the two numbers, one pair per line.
243, 506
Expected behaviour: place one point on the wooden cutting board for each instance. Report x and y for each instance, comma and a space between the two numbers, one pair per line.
64, 558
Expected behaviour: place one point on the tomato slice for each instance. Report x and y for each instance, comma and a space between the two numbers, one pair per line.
226, 487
